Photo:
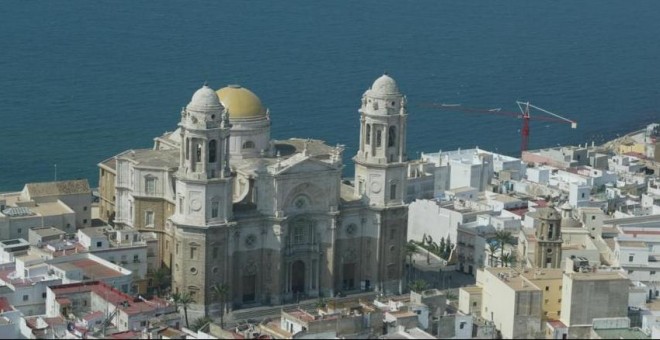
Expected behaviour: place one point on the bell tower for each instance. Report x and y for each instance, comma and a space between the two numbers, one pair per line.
380, 163
548, 236
204, 180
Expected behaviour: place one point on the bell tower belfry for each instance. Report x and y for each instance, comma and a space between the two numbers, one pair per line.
204, 180
380, 163
548, 237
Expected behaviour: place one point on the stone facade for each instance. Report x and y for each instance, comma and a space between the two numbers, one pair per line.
275, 224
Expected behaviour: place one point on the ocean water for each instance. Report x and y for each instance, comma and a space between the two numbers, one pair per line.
81, 81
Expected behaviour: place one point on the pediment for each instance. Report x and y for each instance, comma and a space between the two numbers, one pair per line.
304, 165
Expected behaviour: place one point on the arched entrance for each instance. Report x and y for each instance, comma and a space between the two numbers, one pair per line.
298, 277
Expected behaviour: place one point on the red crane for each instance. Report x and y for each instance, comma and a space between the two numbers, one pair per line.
523, 114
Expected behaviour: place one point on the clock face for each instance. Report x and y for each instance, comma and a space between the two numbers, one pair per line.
195, 204
375, 187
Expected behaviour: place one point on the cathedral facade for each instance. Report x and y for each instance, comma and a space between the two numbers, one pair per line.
271, 219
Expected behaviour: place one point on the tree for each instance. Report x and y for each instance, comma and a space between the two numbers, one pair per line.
493, 246
184, 300
220, 292
159, 279
503, 237
507, 259
200, 323
410, 250
418, 286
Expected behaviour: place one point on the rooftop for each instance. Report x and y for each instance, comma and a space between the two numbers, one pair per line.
90, 269
597, 276
60, 188
633, 244
168, 159
124, 302
621, 333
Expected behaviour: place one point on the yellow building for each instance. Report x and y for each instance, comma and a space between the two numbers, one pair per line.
550, 282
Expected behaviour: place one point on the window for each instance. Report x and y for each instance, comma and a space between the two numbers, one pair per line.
582, 195
593, 217
546, 301
215, 205
631, 257
198, 153
213, 150
187, 148
361, 186
391, 136
392, 191
547, 289
248, 145
180, 205
85, 208
193, 250
559, 300
99, 244
368, 139
379, 138
630, 271
298, 234
43, 295
177, 248
150, 185
474, 304
652, 272
19, 230
462, 325
136, 258
85, 221
149, 219
26, 297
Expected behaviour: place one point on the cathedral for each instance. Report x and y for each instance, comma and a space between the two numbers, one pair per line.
271, 219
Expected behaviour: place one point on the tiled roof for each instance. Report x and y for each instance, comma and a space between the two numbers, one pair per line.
44, 189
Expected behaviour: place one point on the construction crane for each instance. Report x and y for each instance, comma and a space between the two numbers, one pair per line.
523, 114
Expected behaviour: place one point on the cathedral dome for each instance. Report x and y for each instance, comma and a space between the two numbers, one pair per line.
241, 103
205, 99
385, 85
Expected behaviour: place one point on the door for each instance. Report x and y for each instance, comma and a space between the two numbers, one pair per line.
298, 277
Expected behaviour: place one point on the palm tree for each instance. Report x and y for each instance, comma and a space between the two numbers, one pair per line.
506, 259
184, 300
493, 246
199, 323
220, 292
503, 237
418, 286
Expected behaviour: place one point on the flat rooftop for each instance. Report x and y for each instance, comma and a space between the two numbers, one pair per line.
633, 244
90, 268
597, 276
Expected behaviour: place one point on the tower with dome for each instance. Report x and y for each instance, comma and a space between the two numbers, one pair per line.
273, 220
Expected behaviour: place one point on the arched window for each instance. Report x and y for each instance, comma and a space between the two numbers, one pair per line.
368, 141
187, 148
379, 138
391, 136
212, 151
198, 153
248, 145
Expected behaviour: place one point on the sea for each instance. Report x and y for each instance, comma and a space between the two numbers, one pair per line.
81, 81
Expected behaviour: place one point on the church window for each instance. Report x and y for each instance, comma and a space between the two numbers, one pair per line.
177, 248
198, 153
193, 252
180, 205
212, 151
298, 234
150, 185
379, 138
391, 136
250, 240
215, 205
550, 232
248, 145
149, 219
193, 270
393, 191
368, 139
187, 148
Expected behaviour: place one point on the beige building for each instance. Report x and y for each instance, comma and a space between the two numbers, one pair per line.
271, 219
591, 295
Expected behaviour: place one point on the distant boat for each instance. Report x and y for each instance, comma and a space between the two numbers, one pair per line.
449, 105
495, 110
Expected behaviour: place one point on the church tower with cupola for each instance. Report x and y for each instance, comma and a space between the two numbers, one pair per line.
203, 200
380, 179
547, 222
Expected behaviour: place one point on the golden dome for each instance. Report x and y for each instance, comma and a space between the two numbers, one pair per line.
240, 102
